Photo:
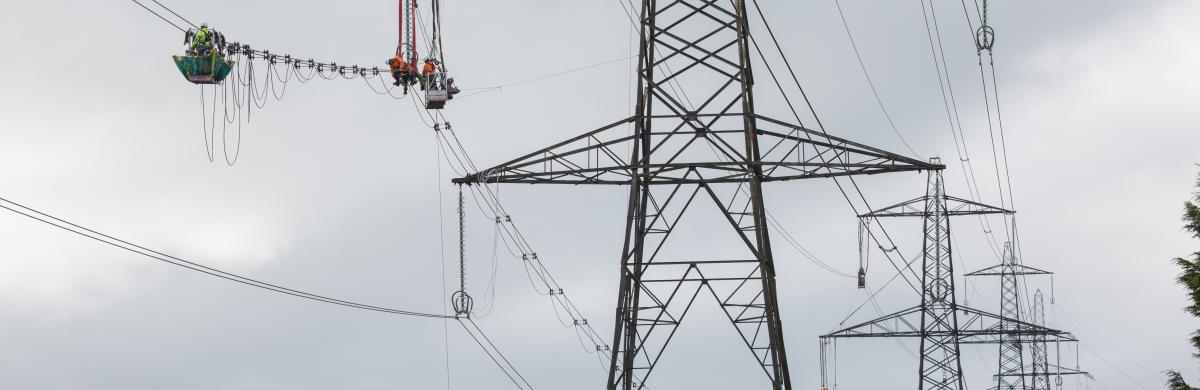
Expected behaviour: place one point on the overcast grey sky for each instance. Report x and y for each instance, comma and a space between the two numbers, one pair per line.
338, 191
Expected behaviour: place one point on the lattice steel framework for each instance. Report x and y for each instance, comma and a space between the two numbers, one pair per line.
1014, 340
939, 328
1038, 348
708, 148
1011, 372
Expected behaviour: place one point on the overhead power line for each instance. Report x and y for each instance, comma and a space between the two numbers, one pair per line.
181, 29
540, 78
494, 353
473, 330
190, 265
175, 13
870, 82
821, 128
317, 69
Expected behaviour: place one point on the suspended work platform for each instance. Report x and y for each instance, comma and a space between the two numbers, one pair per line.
206, 69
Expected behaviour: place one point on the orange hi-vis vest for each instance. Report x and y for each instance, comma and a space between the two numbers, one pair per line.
397, 63
428, 68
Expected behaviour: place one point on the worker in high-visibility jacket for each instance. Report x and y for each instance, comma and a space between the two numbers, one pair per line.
427, 72
202, 41
399, 71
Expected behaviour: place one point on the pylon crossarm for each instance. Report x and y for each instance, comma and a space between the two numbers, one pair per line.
819, 139
975, 327
959, 206
696, 141
897, 324
575, 152
953, 207
909, 208
980, 327
1056, 370
1017, 269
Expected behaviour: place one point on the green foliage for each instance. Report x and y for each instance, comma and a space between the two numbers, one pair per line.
1191, 214
1196, 343
1190, 278
1175, 382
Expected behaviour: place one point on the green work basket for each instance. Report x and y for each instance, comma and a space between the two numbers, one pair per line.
208, 69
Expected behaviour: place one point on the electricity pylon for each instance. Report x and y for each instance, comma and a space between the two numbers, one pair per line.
938, 313
1039, 351
706, 148
1011, 371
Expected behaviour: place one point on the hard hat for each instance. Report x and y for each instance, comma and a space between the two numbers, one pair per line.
203, 25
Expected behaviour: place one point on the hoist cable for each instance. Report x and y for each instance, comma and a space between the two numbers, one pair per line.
181, 29
176, 261
176, 14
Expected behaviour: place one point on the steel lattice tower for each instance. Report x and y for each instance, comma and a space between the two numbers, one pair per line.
1014, 335
1011, 372
1038, 349
935, 321
1012, 360
939, 367
707, 149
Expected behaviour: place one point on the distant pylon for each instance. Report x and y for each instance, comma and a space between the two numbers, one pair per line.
1011, 372
939, 332
1038, 349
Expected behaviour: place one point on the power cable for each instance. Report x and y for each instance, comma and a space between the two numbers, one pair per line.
932, 12
1113, 366
181, 29
176, 261
1105, 342
442, 257
821, 127
174, 13
539, 78
484, 197
494, 353
871, 83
